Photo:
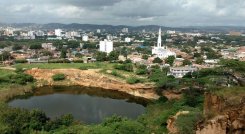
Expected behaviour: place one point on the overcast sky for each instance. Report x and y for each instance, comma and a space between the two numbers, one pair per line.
128, 12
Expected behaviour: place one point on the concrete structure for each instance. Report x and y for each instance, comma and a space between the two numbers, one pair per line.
31, 34
58, 32
106, 46
171, 32
161, 51
109, 37
85, 37
125, 30
48, 46
39, 33
179, 72
98, 31
9, 31
212, 61
127, 40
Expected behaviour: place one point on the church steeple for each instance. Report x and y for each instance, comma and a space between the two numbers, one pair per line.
159, 40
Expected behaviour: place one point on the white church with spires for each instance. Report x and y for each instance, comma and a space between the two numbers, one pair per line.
161, 51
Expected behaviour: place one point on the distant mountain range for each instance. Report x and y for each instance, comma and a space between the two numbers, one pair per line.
93, 27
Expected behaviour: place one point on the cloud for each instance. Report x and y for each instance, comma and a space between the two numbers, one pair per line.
130, 12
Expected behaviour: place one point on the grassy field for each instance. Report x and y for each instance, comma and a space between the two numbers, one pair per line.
65, 65
4, 72
233, 94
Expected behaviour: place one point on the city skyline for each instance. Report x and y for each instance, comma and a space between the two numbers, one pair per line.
125, 12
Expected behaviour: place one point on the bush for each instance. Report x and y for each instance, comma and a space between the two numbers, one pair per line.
157, 60
141, 71
125, 67
21, 78
193, 97
124, 126
133, 80
186, 123
21, 61
58, 77
38, 119
115, 73
113, 119
19, 70
18, 121
78, 61
162, 99
127, 61
59, 61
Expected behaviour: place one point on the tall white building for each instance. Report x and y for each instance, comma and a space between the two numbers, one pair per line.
98, 31
125, 30
161, 51
106, 46
85, 37
58, 32
127, 39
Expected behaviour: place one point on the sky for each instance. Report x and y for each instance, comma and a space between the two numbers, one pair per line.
125, 12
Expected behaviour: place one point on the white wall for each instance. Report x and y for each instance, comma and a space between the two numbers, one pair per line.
85, 38
106, 46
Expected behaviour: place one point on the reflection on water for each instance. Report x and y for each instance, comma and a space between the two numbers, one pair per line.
90, 105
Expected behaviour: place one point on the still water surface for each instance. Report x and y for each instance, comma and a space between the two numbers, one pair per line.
89, 105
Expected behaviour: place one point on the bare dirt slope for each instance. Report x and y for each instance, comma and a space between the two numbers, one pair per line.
91, 78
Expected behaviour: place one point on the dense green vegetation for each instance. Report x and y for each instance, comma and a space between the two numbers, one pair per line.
153, 121
14, 120
125, 67
133, 80
58, 77
102, 56
18, 77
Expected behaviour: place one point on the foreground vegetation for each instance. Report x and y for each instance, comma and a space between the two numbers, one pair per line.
14, 120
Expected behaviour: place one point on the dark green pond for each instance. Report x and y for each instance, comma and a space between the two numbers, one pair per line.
89, 105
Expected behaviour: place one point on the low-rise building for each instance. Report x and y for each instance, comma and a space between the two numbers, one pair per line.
48, 46
179, 72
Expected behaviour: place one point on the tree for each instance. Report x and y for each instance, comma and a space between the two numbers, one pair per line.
157, 60
17, 47
197, 55
186, 62
170, 60
63, 53
47, 53
35, 46
38, 119
58, 44
126, 67
89, 45
5, 56
73, 44
199, 60
124, 52
145, 57
113, 55
101, 56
